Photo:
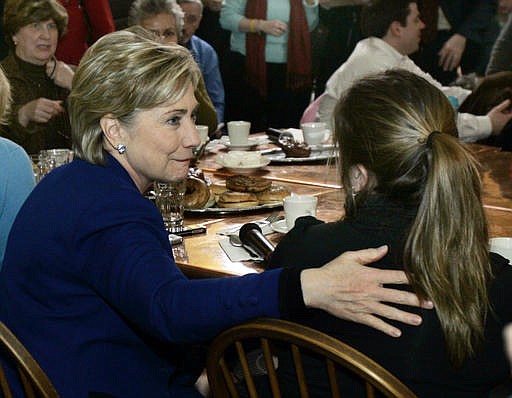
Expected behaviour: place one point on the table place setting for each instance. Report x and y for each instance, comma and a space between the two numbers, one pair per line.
252, 142
231, 244
311, 143
502, 246
242, 162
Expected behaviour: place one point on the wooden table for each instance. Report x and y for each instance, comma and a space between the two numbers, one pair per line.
202, 256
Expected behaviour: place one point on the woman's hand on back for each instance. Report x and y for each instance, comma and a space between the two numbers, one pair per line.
349, 290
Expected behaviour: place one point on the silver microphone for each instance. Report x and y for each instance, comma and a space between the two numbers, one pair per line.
252, 236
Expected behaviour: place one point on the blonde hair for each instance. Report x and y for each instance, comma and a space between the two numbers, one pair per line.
122, 74
20, 13
386, 123
5, 97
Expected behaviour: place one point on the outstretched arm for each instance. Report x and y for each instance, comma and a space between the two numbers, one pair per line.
348, 289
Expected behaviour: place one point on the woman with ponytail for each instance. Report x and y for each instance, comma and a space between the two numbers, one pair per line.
409, 183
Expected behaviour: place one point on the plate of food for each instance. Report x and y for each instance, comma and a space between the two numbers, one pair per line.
317, 154
240, 193
291, 151
242, 162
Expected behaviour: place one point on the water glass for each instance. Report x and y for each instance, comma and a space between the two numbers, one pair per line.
169, 198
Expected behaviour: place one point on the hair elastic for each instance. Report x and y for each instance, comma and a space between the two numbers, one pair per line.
430, 137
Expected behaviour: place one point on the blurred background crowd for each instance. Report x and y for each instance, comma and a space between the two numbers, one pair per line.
261, 61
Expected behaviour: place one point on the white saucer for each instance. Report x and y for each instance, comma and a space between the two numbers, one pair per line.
502, 246
251, 143
242, 169
279, 226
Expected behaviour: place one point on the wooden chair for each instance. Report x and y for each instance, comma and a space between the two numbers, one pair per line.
300, 339
34, 381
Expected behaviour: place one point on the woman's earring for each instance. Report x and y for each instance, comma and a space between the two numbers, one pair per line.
121, 148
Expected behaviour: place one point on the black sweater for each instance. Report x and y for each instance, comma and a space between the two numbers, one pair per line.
418, 357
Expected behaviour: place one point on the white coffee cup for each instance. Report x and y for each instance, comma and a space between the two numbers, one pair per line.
314, 132
296, 206
501, 246
238, 132
202, 131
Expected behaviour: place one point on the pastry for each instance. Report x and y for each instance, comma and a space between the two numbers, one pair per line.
293, 149
197, 194
244, 183
237, 200
275, 194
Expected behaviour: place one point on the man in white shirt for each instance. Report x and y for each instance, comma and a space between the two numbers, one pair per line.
394, 30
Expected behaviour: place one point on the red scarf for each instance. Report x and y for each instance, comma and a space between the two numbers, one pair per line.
298, 68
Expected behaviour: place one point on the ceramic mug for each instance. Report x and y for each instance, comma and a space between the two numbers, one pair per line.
238, 132
296, 206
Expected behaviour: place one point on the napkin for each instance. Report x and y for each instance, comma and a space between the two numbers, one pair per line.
236, 253
233, 229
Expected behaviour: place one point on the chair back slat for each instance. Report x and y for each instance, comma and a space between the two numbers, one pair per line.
33, 380
370, 391
228, 379
25, 382
4, 385
299, 369
333, 380
249, 380
271, 333
269, 364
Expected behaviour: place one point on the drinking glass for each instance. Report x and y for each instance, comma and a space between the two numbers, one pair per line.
169, 198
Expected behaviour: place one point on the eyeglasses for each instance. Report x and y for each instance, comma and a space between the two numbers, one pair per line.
191, 19
164, 35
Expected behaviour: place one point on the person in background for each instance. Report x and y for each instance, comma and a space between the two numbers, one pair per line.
39, 83
88, 20
269, 79
458, 33
410, 183
203, 53
394, 29
490, 91
102, 283
164, 19
210, 29
501, 54
16, 173
341, 20
4, 49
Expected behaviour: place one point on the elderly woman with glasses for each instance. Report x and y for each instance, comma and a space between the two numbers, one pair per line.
165, 20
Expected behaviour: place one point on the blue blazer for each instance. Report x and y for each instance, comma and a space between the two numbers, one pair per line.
90, 286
